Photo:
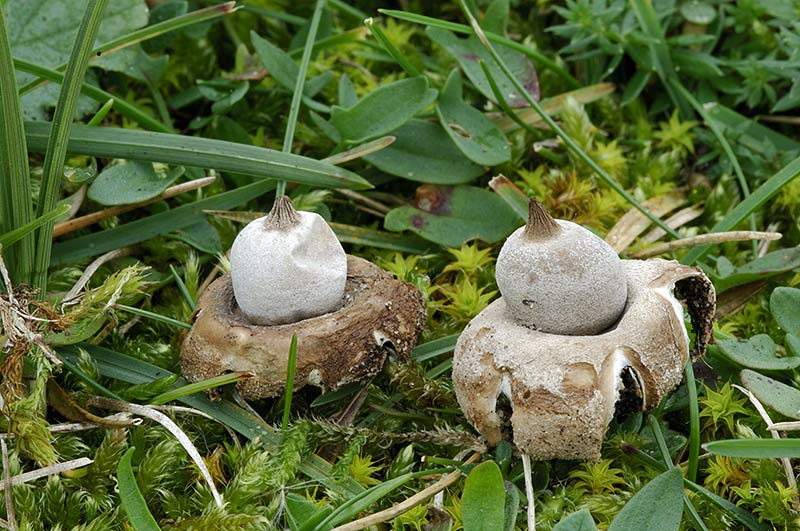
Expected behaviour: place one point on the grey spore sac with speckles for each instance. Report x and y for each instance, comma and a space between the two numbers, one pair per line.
572, 283
283, 275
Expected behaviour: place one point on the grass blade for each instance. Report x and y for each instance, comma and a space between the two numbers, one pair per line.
723, 142
380, 239
741, 211
155, 225
659, 51
499, 39
56, 150
15, 188
435, 348
182, 287
287, 402
694, 422
131, 370
297, 95
132, 500
194, 151
391, 49
755, 448
154, 316
9, 238
204, 385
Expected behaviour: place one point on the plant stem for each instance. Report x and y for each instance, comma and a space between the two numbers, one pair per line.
290, 370
297, 95
694, 422
59, 134
557, 129
15, 188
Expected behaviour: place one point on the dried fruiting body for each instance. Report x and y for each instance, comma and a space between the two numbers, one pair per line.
334, 349
563, 389
287, 266
557, 277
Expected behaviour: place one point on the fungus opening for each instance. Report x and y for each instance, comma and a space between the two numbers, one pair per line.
540, 225
630, 397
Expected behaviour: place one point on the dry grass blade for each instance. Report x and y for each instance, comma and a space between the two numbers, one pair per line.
678, 219
706, 239
551, 106
173, 428
44, 472
787, 464
409, 503
634, 223
95, 217
11, 523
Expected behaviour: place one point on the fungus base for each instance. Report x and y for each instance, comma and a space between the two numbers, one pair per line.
564, 389
344, 346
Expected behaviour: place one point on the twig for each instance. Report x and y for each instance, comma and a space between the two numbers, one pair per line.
792, 425
174, 429
526, 467
706, 239
12, 519
787, 464
43, 472
355, 196
409, 503
90, 219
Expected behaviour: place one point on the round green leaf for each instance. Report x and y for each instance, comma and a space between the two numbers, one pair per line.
483, 501
772, 393
423, 152
131, 182
698, 13
784, 303
577, 521
756, 448
382, 110
451, 216
132, 500
758, 352
474, 134
657, 507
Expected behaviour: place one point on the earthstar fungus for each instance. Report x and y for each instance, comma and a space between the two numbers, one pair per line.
344, 335
563, 388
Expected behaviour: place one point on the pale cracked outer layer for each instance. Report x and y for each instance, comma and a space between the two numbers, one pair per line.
334, 349
563, 389
285, 275
572, 283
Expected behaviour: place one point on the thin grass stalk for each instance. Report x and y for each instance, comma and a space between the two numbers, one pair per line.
740, 212
15, 188
59, 135
560, 132
499, 39
154, 316
390, 48
723, 142
694, 422
101, 113
291, 366
182, 287
297, 96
